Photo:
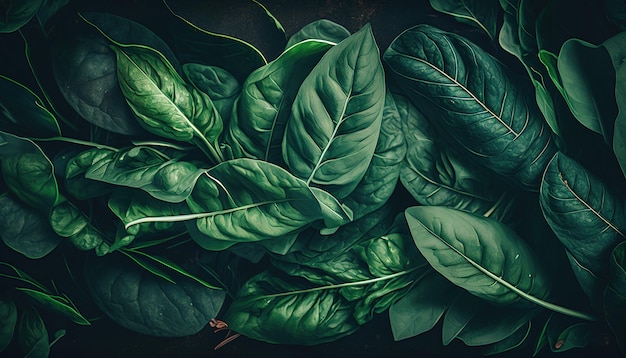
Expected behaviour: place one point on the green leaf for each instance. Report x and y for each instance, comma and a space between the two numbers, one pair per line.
320, 29
28, 172
478, 254
69, 222
194, 44
480, 13
575, 336
165, 104
245, 200
496, 126
16, 13
48, 9
614, 298
511, 342
23, 113
616, 13
85, 67
380, 178
435, 175
587, 74
25, 230
57, 304
261, 112
335, 120
32, 334
222, 87
8, 317
142, 302
278, 309
586, 217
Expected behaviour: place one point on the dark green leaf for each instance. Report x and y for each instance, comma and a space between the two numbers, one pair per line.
32, 334
615, 295
217, 83
28, 172
478, 254
586, 217
258, 122
142, 302
380, 178
619, 134
616, 12
76, 165
480, 13
321, 29
16, 13
56, 304
8, 317
575, 336
511, 342
48, 9
485, 112
165, 104
435, 175
23, 113
25, 230
335, 120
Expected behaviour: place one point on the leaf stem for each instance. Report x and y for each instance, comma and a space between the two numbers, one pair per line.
76, 141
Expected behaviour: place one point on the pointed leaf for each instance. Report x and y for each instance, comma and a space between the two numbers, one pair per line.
56, 304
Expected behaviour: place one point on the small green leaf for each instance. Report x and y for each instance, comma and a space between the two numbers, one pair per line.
480, 13
16, 13
8, 317
69, 222
32, 334
57, 304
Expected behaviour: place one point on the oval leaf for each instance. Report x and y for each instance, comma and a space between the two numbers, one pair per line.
16, 13
32, 334
335, 120
8, 317
478, 254
454, 82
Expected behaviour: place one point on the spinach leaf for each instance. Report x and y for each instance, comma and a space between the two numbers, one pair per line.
482, 14
138, 300
276, 308
588, 220
68, 221
614, 298
450, 78
85, 68
222, 87
258, 120
28, 172
435, 175
25, 230
8, 317
321, 29
32, 334
23, 113
75, 166
57, 304
165, 104
478, 254
16, 13
335, 120
380, 178
245, 200
194, 44
511, 342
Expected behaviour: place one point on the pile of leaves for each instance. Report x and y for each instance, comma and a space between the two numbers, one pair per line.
181, 179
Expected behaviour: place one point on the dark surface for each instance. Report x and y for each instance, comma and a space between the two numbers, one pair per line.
244, 20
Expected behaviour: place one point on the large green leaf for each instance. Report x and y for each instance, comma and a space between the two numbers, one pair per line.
335, 120
28, 172
25, 230
145, 303
481, 108
8, 317
261, 111
478, 254
586, 217
221, 86
23, 113
321, 29
85, 70
165, 104
380, 179
615, 295
480, 13
435, 175
16, 13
